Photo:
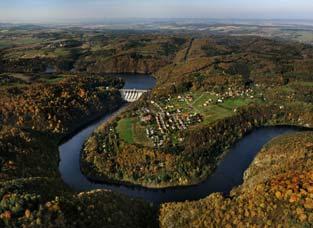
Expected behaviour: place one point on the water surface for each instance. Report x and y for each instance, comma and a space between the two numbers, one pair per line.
228, 174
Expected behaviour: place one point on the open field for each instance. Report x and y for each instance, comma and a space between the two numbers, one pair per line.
125, 130
304, 36
210, 111
139, 134
52, 79
132, 131
18, 41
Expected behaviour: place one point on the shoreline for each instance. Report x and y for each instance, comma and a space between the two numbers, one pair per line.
170, 186
89, 122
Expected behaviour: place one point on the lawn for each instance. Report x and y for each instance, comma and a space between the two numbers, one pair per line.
201, 98
139, 135
228, 105
212, 112
131, 131
33, 53
305, 36
4, 44
51, 80
307, 84
125, 130
62, 52
231, 104
223, 110
26, 78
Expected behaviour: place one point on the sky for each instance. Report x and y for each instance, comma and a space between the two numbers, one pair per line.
80, 10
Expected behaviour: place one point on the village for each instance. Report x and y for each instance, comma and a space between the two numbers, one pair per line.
163, 119
160, 125
161, 122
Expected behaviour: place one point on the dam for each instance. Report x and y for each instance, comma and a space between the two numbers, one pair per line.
132, 95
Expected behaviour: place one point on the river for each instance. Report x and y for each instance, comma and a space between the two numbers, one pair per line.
228, 174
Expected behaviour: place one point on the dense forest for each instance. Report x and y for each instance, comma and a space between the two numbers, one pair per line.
34, 119
277, 191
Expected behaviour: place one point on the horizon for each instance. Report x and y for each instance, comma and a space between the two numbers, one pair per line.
51, 11
183, 21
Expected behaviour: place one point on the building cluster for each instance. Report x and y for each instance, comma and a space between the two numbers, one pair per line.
109, 140
169, 122
231, 93
64, 44
188, 98
160, 124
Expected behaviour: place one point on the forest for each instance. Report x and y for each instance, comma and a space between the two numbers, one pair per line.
55, 81
277, 191
35, 118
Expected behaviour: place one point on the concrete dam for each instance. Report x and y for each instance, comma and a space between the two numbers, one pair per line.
132, 95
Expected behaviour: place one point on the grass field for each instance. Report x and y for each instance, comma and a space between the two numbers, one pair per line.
139, 135
26, 78
307, 84
5, 43
51, 80
304, 36
211, 112
201, 98
131, 131
230, 104
62, 52
125, 130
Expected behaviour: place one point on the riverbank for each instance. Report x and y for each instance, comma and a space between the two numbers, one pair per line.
275, 192
32, 192
203, 148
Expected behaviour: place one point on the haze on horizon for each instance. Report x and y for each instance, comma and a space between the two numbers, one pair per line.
82, 10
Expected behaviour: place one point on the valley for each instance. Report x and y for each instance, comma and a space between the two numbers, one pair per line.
74, 153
